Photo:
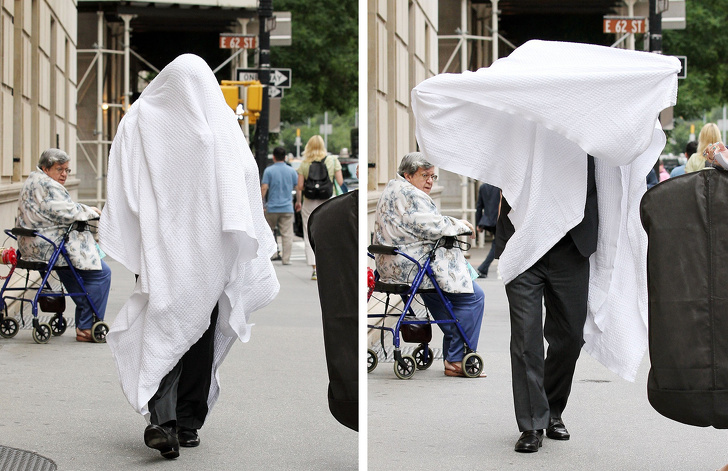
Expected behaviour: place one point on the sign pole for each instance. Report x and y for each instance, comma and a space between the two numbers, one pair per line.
656, 47
655, 28
265, 13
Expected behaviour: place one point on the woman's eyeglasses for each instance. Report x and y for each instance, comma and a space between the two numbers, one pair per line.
67, 171
427, 176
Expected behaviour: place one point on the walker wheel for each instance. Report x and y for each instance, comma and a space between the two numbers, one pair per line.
42, 333
472, 365
372, 360
419, 355
8, 327
99, 331
58, 325
406, 368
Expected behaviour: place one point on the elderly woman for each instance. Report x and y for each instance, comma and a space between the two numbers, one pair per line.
46, 206
408, 219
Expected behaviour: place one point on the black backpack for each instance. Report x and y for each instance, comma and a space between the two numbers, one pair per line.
318, 185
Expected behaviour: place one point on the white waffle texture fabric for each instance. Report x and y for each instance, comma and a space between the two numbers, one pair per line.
525, 124
184, 212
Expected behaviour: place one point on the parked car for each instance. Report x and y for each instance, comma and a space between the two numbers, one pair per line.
348, 170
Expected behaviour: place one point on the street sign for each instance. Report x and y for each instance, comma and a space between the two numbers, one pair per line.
624, 24
245, 75
683, 67
280, 78
275, 92
238, 41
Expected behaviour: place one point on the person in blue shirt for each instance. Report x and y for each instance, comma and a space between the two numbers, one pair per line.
690, 148
279, 181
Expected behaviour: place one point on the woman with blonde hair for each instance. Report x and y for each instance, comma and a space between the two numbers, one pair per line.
708, 135
315, 151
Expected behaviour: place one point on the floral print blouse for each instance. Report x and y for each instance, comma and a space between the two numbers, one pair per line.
408, 219
46, 206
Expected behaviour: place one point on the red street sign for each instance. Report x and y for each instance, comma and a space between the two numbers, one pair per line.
238, 41
624, 25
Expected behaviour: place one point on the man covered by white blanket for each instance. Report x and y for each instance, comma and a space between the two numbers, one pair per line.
184, 213
526, 125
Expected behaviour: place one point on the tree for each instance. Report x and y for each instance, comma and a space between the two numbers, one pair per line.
705, 45
341, 137
323, 58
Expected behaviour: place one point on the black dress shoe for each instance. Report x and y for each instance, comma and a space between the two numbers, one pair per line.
162, 438
557, 430
530, 441
188, 437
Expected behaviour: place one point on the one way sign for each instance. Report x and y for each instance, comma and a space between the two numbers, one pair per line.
280, 78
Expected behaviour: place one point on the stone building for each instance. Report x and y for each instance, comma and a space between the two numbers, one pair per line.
37, 93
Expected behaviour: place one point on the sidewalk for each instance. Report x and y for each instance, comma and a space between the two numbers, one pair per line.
63, 401
435, 422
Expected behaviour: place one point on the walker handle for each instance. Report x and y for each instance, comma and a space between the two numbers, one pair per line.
21, 231
382, 249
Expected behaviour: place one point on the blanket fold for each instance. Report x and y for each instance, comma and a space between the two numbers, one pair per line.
525, 124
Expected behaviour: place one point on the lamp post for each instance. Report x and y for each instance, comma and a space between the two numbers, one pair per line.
265, 13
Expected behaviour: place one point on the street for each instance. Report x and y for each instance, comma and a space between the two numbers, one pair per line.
435, 422
62, 400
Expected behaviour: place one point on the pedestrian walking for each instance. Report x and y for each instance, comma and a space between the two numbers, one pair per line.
278, 183
465, 121
486, 217
560, 281
316, 176
184, 213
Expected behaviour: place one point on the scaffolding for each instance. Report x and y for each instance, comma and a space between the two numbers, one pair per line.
109, 59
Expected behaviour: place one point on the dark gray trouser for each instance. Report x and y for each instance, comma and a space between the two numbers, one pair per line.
181, 398
541, 387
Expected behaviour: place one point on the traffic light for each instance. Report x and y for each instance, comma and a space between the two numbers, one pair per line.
255, 98
230, 92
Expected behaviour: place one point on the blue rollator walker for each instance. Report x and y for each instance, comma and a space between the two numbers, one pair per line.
44, 296
422, 357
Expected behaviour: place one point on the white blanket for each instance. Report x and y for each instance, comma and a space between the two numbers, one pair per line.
184, 211
525, 125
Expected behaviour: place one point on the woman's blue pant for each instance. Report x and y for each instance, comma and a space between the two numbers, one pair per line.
97, 283
468, 309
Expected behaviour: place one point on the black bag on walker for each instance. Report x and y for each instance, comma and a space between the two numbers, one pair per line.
415, 333
686, 220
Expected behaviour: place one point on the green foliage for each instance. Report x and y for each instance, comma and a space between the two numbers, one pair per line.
323, 58
705, 44
341, 137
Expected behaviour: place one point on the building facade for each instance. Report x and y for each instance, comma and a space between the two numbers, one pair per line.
403, 52
37, 93
410, 41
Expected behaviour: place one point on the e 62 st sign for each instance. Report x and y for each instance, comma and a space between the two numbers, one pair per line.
624, 25
238, 41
